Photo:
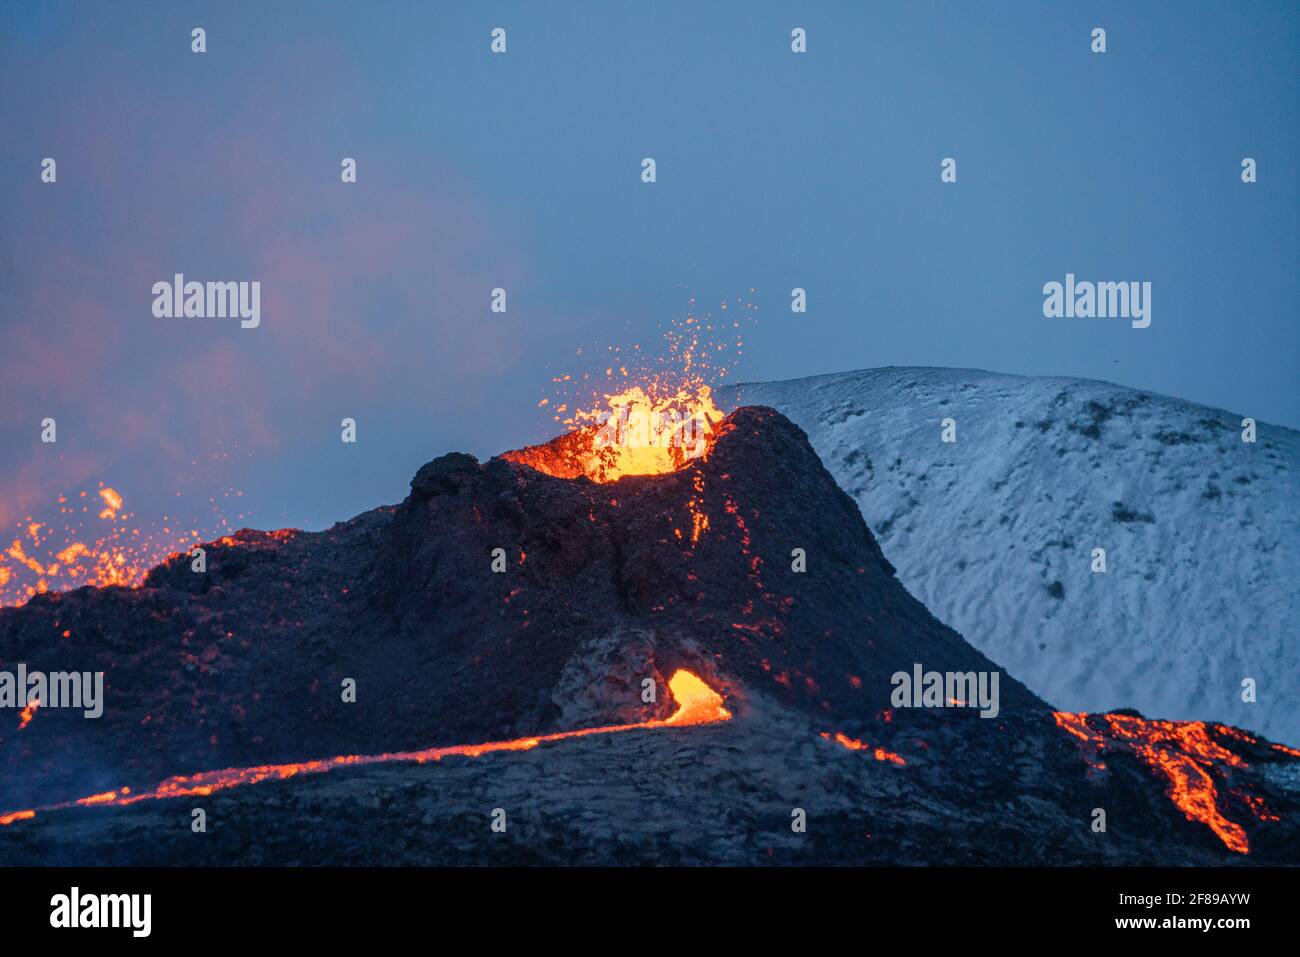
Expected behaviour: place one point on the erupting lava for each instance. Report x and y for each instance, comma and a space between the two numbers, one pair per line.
51, 556
656, 413
697, 703
1184, 752
638, 432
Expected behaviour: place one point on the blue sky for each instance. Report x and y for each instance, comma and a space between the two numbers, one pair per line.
523, 170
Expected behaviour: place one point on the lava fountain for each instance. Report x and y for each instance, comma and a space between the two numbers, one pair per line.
638, 431
92, 541
655, 413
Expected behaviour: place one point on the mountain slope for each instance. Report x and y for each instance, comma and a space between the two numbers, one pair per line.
520, 683
995, 533
601, 587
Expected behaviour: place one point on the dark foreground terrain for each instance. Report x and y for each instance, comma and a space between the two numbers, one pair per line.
605, 585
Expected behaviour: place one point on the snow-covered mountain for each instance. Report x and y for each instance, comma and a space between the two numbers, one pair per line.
995, 532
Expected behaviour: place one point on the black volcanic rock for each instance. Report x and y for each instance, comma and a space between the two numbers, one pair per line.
586, 559
603, 587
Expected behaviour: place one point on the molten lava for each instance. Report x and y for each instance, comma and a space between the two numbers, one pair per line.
639, 431
697, 703
52, 556
853, 744
112, 503
1185, 753
655, 412
25, 717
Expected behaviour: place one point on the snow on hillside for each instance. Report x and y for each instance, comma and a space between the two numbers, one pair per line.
995, 532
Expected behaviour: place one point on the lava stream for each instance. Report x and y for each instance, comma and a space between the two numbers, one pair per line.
1185, 753
697, 703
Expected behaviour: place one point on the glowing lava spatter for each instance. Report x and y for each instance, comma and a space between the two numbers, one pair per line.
26, 715
655, 413
73, 551
1183, 752
697, 704
640, 431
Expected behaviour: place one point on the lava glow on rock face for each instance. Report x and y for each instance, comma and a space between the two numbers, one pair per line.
853, 744
697, 703
1183, 752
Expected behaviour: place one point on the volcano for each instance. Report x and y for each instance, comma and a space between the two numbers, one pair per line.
509, 644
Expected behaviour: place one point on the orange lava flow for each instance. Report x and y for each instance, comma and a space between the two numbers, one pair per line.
1183, 752
853, 744
697, 704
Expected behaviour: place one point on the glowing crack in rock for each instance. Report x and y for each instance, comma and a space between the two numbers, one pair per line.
697, 704
853, 744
